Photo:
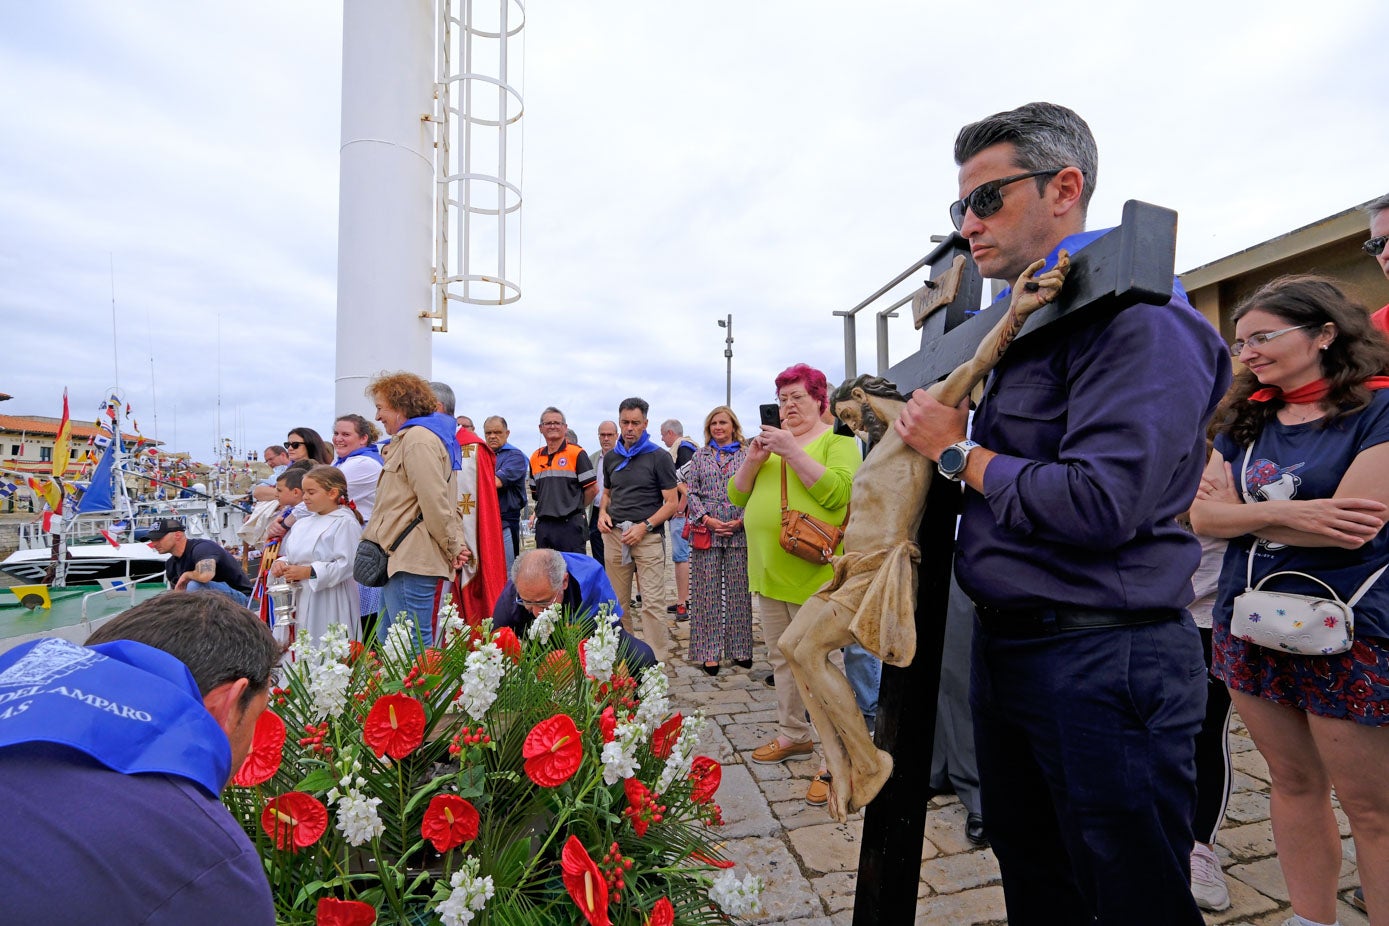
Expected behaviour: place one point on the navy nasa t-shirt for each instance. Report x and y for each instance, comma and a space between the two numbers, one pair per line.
1299, 462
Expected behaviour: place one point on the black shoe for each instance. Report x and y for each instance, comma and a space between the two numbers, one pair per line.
636, 602
974, 830
1357, 900
770, 681
743, 663
682, 613
710, 670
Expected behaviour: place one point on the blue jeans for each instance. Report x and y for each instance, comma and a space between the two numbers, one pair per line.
679, 546
1086, 743
414, 596
509, 544
221, 588
865, 673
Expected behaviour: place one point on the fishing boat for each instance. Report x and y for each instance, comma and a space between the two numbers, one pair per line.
30, 612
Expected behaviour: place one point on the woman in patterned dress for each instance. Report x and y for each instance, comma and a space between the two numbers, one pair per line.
720, 603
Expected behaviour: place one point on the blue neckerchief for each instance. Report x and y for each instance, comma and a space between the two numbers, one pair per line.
732, 446
368, 451
442, 427
644, 445
1074, 244
131, 707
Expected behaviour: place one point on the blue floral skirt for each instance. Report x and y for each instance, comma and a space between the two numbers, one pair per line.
1349, 686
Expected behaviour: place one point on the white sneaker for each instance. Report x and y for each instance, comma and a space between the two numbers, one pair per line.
1208, 881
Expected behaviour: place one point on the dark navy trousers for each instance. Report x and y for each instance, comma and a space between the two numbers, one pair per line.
1086, 749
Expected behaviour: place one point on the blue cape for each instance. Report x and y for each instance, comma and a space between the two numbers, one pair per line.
442, 427
368, 451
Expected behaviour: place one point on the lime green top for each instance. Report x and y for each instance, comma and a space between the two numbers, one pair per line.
772, 571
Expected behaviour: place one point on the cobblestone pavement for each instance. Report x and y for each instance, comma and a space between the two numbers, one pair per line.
810, 863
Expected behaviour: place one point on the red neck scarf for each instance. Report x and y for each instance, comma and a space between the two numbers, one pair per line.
1311, 393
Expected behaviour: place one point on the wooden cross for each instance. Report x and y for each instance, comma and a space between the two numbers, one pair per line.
1131, 264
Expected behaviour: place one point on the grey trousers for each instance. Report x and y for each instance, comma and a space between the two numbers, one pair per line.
952, 756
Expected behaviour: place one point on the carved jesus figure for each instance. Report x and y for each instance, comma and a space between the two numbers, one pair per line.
872, 597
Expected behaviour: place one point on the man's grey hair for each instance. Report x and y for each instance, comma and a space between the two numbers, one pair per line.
1375, 206
444, 393
540, 564
499, 418
673, 424
551, 410
1044, 135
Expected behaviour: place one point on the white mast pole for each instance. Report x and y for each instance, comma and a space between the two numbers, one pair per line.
385, 210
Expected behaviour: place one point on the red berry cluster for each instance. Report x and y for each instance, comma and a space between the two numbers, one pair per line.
713, 814
417, 677
278, 696
645, 813
614, 866
620, 692
314, 738
468, 737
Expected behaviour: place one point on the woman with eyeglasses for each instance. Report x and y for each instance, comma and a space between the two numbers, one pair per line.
305, 444
1297, 483
819, 466
1379, 234
720, 603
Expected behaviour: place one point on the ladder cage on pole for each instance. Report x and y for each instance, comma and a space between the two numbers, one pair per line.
478, 202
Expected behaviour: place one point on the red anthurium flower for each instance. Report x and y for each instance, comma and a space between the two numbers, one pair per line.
267, 748
294, 820
557, 669
714, 862
583, 655
334, 912
506, 641
585, 882
428, 662
663, 914
607, 723
663, 740
706, 774
449, 822
553, 751
395, 726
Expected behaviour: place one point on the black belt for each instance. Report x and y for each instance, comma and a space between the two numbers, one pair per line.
562, 517
1041, 622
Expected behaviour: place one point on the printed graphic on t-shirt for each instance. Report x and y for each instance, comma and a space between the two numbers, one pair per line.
1269, 482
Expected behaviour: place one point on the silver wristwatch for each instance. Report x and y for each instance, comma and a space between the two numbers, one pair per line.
954, 458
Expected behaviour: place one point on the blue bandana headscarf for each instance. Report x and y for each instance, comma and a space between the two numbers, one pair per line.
442, 427
643, 445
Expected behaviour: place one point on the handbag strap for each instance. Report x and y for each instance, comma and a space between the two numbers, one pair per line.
785, 507
408, 528
1249, 568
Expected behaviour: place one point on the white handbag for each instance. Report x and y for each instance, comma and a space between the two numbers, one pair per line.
1303, 624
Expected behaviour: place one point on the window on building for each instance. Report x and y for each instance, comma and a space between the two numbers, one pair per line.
15, 449
45, 454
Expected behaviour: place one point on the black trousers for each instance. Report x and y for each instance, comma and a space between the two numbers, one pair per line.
568, 535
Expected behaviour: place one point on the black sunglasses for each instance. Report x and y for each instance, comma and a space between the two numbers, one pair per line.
1375, 246
294, 444
985, 199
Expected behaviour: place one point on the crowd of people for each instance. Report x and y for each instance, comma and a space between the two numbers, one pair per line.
1110, 462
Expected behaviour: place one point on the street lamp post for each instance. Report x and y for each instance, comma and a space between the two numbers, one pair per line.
728, 355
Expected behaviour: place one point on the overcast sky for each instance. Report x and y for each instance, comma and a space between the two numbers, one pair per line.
773, 160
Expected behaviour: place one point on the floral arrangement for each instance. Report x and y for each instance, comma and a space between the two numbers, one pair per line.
490, 780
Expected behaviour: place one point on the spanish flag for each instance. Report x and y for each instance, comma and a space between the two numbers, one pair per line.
60, 446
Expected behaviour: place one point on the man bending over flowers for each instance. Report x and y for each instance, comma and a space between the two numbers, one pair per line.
575, 585
112, 757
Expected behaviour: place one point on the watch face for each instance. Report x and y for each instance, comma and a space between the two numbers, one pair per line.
952, 460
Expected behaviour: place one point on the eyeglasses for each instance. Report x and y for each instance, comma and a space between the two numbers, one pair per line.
1259, 340
294, 444
1375, 246
552, 424
553, 599
791, 399
985, 199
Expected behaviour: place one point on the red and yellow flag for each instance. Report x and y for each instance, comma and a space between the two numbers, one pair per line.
60, 446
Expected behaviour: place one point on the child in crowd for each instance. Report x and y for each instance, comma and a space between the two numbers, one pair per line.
318, 553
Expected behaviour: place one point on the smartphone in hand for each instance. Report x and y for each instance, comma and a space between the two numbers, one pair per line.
771, 414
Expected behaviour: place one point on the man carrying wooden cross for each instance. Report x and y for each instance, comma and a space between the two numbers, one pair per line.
1088, 681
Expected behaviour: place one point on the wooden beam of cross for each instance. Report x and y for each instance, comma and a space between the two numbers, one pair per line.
1131, 264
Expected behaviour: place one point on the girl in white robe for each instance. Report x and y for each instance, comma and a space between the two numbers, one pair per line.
318, 552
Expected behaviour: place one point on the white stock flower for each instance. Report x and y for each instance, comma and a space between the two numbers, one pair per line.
543, 625
620, 756
734, 897
326, 680
451, 626
483, 671
653, 699
469, 895
400, 638
600, 652
357, 820
336, 645
682, 753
